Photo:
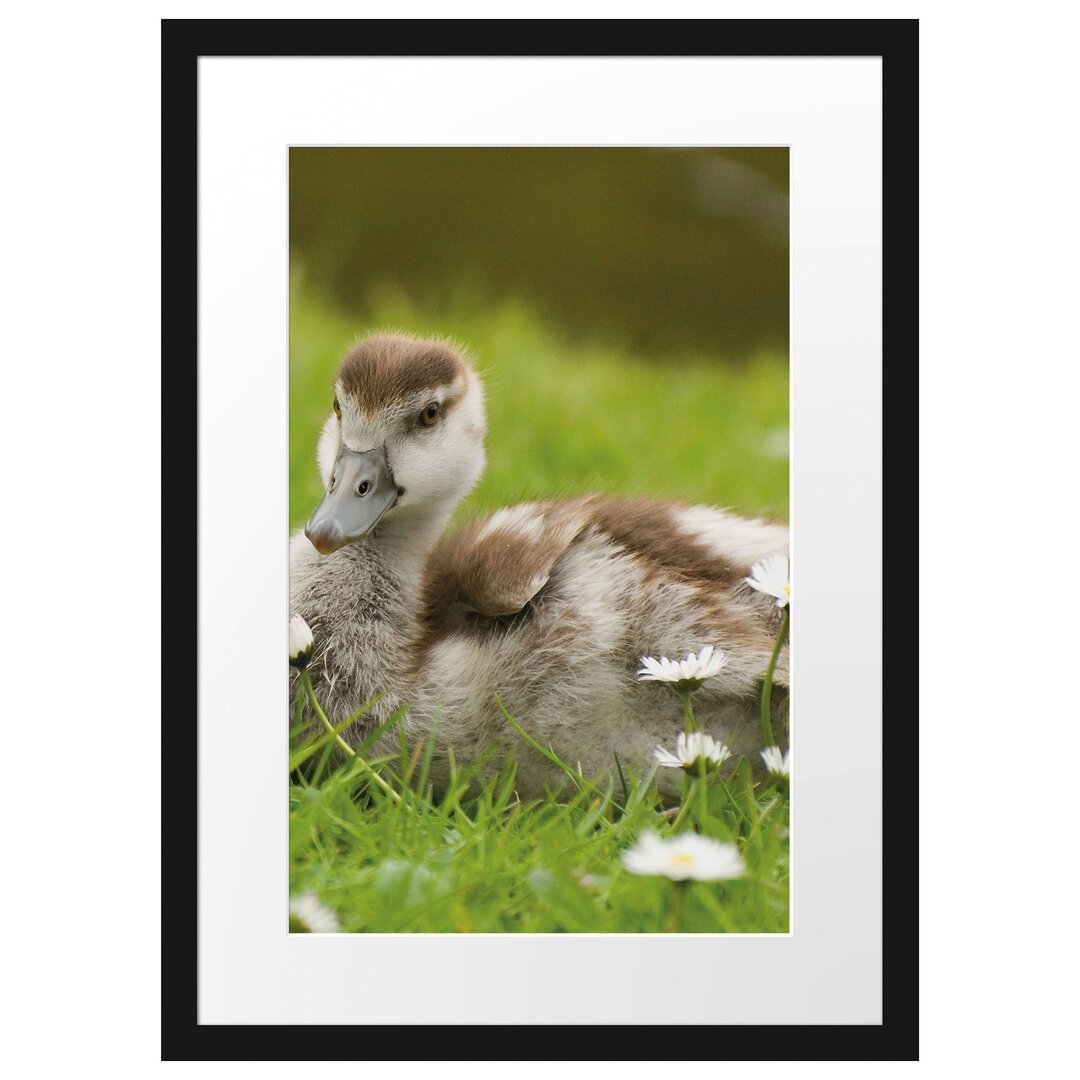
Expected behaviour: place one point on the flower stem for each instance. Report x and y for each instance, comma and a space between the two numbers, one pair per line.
688, 801
703, 812
688, 713
766, 690
305, 678
675, 911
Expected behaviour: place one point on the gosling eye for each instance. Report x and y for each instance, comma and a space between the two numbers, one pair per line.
337, 409
429, 414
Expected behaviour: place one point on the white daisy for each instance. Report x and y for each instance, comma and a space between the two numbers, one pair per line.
685, 857
778, 764
686, 674
689, 748
772, 576
308, 916
301, 642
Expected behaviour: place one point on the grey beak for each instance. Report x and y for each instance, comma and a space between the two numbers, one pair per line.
361, 490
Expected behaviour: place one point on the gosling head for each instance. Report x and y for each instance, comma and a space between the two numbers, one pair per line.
404, 443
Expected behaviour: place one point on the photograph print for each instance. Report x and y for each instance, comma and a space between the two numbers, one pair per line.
539, 576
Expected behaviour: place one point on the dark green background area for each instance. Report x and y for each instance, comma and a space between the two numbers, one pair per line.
658, 250
626, 309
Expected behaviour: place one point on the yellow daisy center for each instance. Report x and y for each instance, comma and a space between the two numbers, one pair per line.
680, 858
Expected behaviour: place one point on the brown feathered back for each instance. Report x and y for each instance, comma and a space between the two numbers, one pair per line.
493, 567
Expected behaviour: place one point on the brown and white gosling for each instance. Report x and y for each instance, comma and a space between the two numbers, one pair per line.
548, 606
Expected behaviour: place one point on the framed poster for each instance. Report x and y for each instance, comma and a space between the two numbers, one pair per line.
662, 232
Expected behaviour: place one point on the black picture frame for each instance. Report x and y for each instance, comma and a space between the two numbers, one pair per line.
183, 42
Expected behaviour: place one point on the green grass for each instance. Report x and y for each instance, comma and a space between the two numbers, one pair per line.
564, 417
468, 861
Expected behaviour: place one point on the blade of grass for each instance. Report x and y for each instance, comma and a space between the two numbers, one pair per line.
622, 779
429, 754
385, 726
578, 780
305, 750
328, 749
414, 758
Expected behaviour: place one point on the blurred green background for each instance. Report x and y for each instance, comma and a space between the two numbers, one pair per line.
627, 309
